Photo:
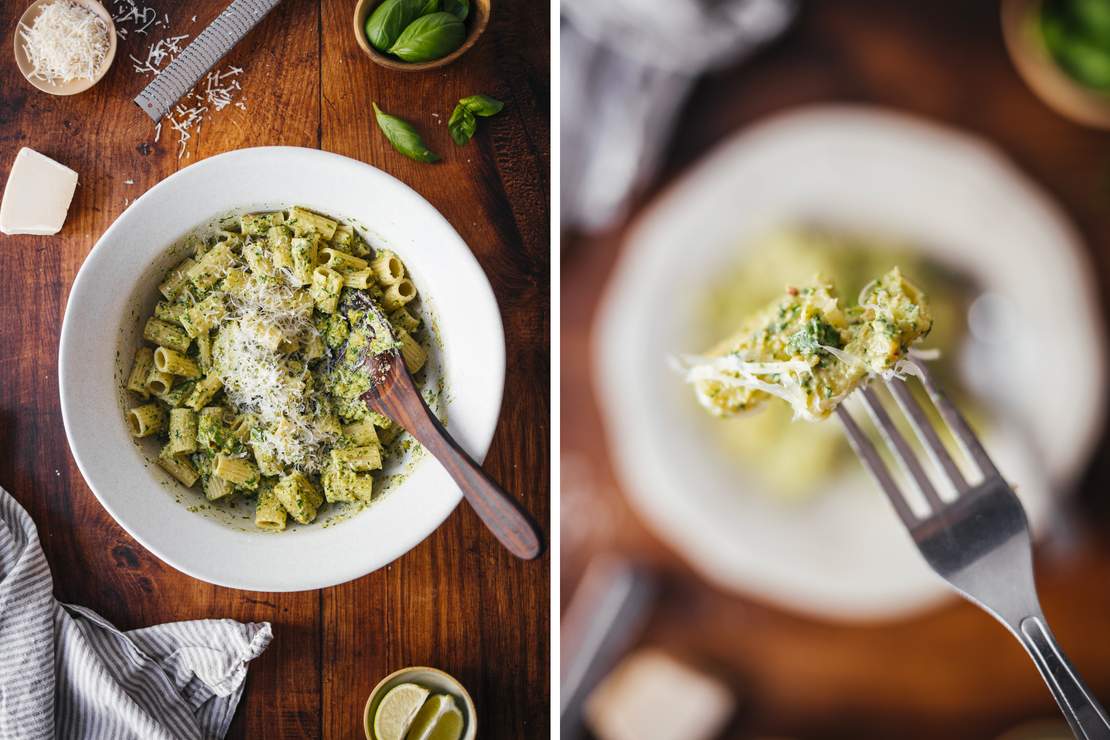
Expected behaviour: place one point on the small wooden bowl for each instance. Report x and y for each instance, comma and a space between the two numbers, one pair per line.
1041, 73
476, 24
430, 678
75, 86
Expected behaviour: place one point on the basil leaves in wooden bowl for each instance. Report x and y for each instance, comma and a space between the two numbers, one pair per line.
419, 34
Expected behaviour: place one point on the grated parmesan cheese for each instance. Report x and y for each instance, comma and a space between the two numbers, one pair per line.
66, 42
216, 92
265, 382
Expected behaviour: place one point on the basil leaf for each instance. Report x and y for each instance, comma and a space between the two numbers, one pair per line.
429, 37
458, 8
464, 122
482, 105
389, 19
404, 137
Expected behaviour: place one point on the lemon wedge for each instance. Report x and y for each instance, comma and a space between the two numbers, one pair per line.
397, 710
438, 719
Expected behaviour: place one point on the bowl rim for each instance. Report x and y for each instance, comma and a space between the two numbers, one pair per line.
362, 11
75, 87
644, 481
481, 435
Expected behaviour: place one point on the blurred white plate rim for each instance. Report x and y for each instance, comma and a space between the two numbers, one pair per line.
843, 556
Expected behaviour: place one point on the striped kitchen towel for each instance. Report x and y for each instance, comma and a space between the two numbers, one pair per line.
67, 673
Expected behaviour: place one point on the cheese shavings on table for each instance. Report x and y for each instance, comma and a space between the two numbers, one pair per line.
811, 350
66, 42
37, 196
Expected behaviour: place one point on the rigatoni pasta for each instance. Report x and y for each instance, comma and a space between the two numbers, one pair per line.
237, 378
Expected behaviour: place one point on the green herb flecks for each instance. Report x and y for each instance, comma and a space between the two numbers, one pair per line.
464, 119
404, 137
814, 335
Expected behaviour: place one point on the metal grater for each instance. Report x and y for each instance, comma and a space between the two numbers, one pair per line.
209, 47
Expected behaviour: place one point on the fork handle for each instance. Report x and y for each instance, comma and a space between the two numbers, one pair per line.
1082, 711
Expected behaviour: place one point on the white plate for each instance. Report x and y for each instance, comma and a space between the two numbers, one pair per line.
953, 196
118, 284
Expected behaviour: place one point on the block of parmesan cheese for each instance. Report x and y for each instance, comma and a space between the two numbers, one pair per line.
37, 196
650, 695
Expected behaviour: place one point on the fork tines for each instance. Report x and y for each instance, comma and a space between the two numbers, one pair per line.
902, 450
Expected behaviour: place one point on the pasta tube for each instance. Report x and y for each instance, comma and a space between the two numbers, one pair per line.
145, 420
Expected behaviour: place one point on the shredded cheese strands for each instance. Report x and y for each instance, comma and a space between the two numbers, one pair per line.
263, 381
66, 42
733, 372
219, 89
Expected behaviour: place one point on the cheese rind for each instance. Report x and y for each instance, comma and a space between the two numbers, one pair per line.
37, 196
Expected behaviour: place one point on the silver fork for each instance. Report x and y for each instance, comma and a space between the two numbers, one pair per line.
978, 542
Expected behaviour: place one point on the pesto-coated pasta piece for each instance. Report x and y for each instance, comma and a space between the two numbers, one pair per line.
359, 279
171, 313
269, 513
205, 315
401, 318
398, 294
326, 285
176, 279
183, 431
166, 335
411, 351
210, 268
140, 369
179, 467
212, 433
175, 363
217, 488
204, 351
299, 497
304, 222
237, 470
359, 459
387, 268
268, 464
204, 391
304, 250
344, 236
281, 250
241, 426
341, 261
158, 383
361, 433
268, 335
257, 224
235, 281
175, 396
145, 420
258, 259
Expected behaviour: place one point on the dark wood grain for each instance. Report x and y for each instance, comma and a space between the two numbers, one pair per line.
396, 395
457, 601
950, 673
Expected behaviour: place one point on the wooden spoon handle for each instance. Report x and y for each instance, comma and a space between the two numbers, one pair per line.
501, 512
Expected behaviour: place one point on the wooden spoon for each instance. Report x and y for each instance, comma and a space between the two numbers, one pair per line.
394, 394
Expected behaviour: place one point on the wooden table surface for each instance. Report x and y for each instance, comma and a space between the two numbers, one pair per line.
457, 601
953, 672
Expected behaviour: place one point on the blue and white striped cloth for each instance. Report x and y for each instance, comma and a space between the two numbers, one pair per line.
67, 673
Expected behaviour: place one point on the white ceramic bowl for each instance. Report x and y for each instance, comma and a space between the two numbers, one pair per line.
118, 284
844, 554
